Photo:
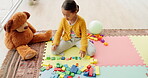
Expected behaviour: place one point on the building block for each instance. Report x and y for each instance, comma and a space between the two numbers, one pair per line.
42, 69
53, 58
63, 58
57, 69
50, 66
68, 69
91, 72
79, 72
65, 65
61, 76
72, 74
97, 70
66, 76
89, 66
76, 58
84, 68
47, 58
47, 68
105, 43
45, 64
77, 64
69, 76
85, 74
74, 69
63, 68
94, 75
95, 61
67, 72
58, 58
102, 40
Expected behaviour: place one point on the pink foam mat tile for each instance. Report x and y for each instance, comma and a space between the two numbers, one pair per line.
120, 51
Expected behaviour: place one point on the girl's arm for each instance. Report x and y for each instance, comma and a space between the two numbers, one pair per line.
58, 34
84, 41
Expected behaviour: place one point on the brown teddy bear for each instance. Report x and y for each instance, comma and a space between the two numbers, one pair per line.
19, 33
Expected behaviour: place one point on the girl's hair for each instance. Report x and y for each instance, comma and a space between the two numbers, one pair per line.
70, 5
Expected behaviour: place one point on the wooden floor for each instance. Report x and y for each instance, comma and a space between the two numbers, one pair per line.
114, 14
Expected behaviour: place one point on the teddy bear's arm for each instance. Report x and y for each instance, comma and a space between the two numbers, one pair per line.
8, 42
31, 27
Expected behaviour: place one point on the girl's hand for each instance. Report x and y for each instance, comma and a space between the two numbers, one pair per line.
54, 47
82, 53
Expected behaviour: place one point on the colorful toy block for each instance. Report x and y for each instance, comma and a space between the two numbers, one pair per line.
67, 72
53, 58
97, 70
69, 76
102, 40
95, 61
89, 66
63, 58
72, 74
66, 76
79, 72
74, 69
58, 58
61, 76
84, 68
63, 68
105, 43
65, 65
57, 69
91, 72
85, 74
45, 64
42, 69
47, 58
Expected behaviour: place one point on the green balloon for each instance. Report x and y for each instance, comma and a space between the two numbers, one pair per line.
95, 27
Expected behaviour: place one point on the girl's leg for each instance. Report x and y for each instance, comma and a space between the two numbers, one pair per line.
90, 49
64, 45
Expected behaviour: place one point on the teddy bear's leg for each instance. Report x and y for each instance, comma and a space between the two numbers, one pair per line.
26, 52
42, 37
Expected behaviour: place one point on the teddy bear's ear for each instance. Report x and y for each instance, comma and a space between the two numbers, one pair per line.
8, 25
28, 15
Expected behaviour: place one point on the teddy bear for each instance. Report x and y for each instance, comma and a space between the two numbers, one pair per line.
19, 33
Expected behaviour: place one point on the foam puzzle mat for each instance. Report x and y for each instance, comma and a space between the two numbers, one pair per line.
124, 57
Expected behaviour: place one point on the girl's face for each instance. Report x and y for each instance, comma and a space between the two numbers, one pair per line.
68, 15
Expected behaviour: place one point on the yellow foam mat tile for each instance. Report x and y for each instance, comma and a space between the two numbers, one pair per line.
72, 52
141, 44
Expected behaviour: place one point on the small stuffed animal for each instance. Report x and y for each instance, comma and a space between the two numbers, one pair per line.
19, 33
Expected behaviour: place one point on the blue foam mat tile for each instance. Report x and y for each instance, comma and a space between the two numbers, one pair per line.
123, 72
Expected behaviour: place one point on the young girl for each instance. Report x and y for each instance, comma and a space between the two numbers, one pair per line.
73, 31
